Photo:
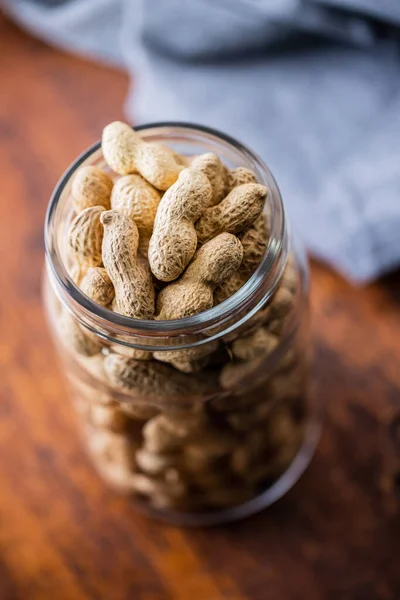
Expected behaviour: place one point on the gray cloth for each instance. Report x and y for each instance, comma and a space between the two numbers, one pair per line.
313, 86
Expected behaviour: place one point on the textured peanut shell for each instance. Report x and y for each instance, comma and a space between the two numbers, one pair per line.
254, 242
232, 374
238, 211
189, 360
134, 291
282, 303
229, 287
75, 338
174, 240
134, 196
259, 343
239, 176
125, 152
97, 285
91, 187
152, 381
216, 172
135, 353
180, 159
85, 237
214, 262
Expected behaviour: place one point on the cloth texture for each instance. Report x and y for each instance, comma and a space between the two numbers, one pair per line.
313, 86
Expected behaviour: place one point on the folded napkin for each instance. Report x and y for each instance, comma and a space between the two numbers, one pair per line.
313, 86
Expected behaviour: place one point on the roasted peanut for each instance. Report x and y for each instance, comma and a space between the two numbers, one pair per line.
238, 211
85, 237
211, 165
151, 380
138, 412
108, 416
129, 352
216, 261
233, 374
171, 487
259, 343
134, 196
91, 187
75, 338
97, 285
189, 360
114, 457
174, 238
229, 287
239, 176
153, 463
134, 291
254, 242
125, 152
159, 437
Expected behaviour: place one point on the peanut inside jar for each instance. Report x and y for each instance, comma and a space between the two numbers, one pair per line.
160, 237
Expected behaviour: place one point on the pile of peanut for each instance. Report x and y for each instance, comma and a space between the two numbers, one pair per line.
161, 236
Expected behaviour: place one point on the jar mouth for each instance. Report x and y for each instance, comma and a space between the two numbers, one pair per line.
259, 287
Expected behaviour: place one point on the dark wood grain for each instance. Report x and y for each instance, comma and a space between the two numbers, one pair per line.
63, 534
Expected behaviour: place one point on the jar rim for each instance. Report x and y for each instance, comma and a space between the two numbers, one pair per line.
268, 271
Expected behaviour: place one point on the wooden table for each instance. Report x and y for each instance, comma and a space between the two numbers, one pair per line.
63, 535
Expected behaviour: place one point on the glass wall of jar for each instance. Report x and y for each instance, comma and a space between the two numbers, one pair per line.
204, 419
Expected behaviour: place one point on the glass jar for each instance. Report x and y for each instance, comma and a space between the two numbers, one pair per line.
228, 423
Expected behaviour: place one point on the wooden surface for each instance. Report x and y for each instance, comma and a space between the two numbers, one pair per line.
63, 535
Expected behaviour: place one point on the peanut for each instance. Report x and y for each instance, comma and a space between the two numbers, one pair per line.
153, 463
134, 196
75, 338
211, 165
180, 159
139, 412
238, 211
216, 261
109, 417
85, 237
151, 380
189, 360
169, 486
134, 291
93, 367
254, 242
159, 437
174, 238
129, 352
259, 343
239, 176
229, 287
97, 285
91, 187
125, 152
232, 374
282, 303
114, 457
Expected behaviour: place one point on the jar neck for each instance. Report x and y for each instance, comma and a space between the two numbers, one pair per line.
198, 329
